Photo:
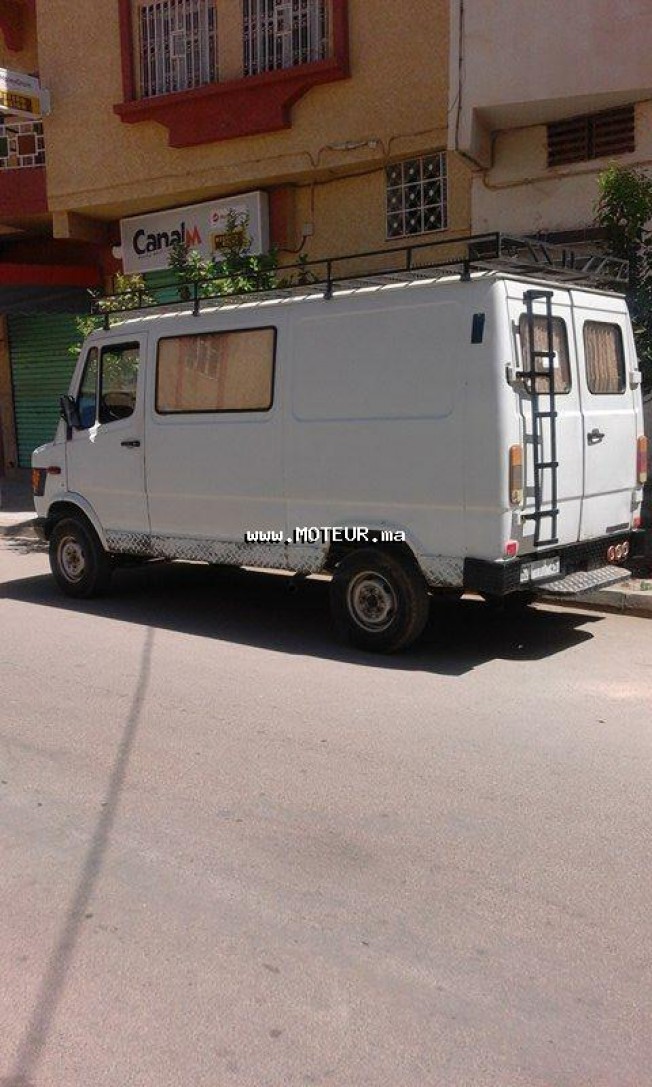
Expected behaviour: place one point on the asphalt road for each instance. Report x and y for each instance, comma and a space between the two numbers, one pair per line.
236, 854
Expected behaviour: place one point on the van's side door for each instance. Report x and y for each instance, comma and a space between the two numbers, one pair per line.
606, 356
105, 457
214, 428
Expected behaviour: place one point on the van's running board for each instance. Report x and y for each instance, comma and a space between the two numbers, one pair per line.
585, 581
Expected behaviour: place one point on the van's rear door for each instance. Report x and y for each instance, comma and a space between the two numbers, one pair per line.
606, 357
568, 423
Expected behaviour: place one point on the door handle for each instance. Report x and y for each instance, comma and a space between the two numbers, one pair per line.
132, 444
594, 436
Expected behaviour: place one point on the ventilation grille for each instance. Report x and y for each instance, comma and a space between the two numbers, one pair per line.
595, 136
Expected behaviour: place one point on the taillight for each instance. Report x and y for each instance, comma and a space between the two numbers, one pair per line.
641, 459
511, 549
516, 475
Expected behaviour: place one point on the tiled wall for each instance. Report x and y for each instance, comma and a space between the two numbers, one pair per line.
21, 144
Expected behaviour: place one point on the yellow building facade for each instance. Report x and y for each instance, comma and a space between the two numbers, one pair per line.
376, 95
333, 113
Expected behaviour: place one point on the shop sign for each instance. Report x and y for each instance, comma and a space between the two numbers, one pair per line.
22, 95
147, 239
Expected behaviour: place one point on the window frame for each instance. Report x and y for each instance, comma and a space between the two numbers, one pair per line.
115, 346
93, 349
621, 358
139, 42
219, 411
530, 385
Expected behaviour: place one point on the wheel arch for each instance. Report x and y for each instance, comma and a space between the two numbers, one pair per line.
73, 505
403, 551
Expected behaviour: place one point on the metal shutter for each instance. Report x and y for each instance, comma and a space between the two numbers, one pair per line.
41, 367
596, 135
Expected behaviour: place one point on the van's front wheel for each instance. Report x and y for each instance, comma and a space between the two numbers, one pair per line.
79, 563
379, 602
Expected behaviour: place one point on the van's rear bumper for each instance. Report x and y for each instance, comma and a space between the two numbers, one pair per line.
501, 578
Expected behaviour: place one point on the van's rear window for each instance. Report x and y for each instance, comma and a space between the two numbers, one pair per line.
561, 364
216, 371
605, 358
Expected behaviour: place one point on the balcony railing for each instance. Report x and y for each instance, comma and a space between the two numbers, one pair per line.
22, 144
284, 34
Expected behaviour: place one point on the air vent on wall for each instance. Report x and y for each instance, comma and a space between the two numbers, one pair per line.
594, 136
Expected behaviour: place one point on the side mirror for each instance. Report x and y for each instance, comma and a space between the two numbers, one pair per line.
70, 412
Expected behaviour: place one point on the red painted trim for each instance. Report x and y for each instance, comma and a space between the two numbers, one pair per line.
22, 192
49, 275
239, 107
13, 23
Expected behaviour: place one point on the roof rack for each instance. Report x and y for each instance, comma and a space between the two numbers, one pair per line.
474, 253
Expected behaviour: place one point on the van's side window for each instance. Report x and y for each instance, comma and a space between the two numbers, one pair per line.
118, 381
559, 345
87, 396
605, 358
216, 371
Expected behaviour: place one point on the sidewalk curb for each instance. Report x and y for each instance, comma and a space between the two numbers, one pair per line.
632, 602
24, 528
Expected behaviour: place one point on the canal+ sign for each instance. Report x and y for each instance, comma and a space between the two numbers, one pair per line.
147, 240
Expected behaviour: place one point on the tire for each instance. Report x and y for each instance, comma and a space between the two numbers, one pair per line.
378, 602
79, 563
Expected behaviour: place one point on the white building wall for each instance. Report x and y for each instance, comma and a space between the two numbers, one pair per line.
520, 194
517, 65
522, 62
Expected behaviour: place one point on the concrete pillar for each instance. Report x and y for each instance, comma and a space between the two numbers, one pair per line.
229, 40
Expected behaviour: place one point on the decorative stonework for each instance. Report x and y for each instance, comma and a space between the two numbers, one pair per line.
22, 144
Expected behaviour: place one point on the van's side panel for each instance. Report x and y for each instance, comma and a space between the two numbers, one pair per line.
489, 425
373, 428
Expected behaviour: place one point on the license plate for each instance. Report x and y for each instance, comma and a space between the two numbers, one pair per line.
534, 571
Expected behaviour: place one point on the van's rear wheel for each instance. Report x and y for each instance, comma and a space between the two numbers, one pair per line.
80, 565
379, 602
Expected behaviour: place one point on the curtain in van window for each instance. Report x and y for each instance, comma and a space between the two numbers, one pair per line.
605, 358
559, 345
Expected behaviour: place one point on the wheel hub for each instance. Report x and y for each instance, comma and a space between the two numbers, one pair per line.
372, 601
72, 560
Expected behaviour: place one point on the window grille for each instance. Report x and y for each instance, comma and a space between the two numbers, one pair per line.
284, 33
416, 196
595, 136
178, 45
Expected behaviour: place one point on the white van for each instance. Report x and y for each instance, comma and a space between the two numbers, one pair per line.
405, 434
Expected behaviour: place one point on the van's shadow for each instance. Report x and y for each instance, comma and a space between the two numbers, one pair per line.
274, 612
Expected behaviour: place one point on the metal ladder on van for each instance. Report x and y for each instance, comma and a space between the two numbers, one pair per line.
544, 452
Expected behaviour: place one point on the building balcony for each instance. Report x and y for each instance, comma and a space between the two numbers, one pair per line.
22, 170
238, 77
